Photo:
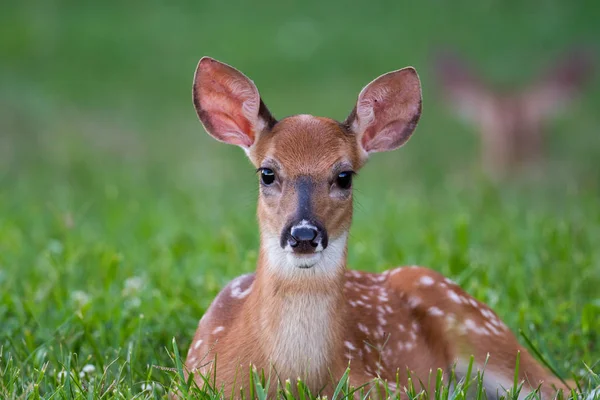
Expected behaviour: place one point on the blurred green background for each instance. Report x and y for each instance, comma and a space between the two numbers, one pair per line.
120, 219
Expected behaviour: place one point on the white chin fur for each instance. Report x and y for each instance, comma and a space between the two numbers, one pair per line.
322, 263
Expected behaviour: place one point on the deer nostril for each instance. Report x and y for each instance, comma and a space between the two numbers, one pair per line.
303, 234
303, 237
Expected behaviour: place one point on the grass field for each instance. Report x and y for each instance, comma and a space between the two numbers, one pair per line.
120, 219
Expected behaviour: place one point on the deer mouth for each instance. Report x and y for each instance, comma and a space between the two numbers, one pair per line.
304, 260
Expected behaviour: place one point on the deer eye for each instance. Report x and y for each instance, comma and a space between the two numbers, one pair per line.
344, 179
267, 176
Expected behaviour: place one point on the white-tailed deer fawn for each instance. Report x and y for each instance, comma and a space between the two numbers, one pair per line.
303, 313
511, 123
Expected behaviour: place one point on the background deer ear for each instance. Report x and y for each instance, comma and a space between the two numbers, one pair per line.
387, 111
560, 84
228, 104
461, 86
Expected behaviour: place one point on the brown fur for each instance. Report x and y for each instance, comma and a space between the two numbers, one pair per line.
409, 319
306, 146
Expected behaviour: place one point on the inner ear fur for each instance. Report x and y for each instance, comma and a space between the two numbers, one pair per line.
228, 104
387, 111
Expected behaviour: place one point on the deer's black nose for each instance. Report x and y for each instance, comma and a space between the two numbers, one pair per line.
303, 234
304, 237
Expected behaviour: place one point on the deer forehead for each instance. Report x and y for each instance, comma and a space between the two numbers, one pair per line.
308, 145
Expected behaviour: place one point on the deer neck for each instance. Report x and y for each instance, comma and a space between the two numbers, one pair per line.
300, 313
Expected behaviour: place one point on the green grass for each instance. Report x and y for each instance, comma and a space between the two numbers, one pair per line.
120, 220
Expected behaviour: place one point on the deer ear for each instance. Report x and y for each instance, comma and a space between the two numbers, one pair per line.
387, 111
560, 84
228, 104
462, 88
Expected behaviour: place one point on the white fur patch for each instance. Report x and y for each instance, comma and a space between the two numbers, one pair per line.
305, 117
414, 302
323, 263
454, 297
236, 287
426, 280
435, 311
218, 329
302, 339
472, 326
363, 328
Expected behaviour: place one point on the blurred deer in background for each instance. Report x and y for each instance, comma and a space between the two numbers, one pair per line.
511, 122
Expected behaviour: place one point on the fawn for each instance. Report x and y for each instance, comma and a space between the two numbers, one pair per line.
303, 313
511, 123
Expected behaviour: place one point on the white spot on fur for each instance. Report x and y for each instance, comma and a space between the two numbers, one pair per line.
414, 302
492, 328
426, 280
434, 311
363, 328
487, 313
383, 297
355, 274
349, 345
197, 344
236, 291
218, 329
415, 327
392, 387
454, 297
450, 281
472, 326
